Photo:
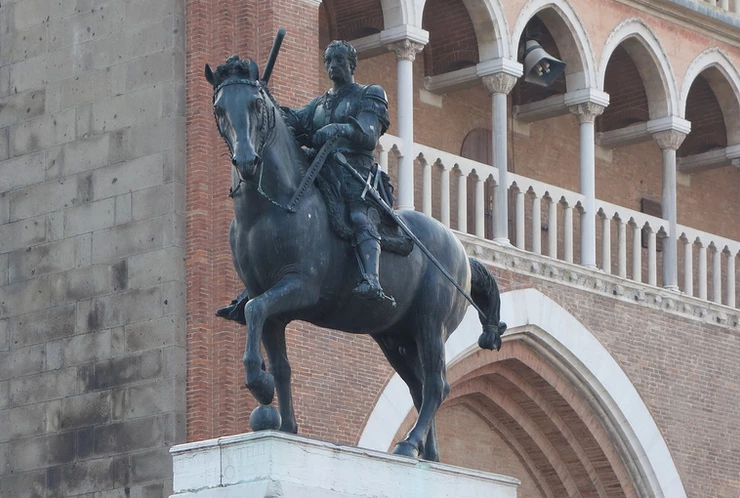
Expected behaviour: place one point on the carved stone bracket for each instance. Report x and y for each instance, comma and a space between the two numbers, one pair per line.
587, 111
501, 83
669, 139
406, 50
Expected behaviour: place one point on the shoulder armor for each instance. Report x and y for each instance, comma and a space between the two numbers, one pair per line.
375, 92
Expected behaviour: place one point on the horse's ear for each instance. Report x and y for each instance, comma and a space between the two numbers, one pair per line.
209, 75
254, 70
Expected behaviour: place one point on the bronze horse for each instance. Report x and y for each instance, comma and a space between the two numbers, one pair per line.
295, 268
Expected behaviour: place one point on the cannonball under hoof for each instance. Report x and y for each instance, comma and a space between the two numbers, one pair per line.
265, 418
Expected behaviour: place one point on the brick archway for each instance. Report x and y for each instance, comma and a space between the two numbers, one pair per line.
724, 80
653, 64
553, 380
570, 36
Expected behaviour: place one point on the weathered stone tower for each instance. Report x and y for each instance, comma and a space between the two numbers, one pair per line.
92, 296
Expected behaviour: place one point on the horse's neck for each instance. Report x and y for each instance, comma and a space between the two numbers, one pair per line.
284, 160
281, 171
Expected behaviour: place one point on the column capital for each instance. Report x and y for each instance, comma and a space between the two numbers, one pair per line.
406, 50
587, 111
669, 139
499, 83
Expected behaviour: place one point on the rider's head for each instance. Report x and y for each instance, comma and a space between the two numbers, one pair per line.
340, 60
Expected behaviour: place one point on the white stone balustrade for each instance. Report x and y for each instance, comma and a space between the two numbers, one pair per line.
626, 236
730, 6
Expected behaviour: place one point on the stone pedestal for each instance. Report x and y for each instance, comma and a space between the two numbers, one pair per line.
273, 464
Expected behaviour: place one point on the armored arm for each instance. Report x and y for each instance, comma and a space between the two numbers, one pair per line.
299, 120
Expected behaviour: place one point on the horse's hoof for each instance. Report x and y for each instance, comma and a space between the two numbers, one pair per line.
264, 418
404, 448
262, 388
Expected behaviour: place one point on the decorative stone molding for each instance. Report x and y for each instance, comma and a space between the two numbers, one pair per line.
313, 3
406, 50
499, 83
669, 139
593, 280
587, 111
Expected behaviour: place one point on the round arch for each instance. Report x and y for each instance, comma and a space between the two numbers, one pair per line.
724, 80
548, 328
652, 62
570, 35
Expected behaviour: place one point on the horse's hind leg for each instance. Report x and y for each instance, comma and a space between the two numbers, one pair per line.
435, 389
404, 358
274, 340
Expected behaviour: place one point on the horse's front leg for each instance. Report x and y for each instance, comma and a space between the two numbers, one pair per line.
274, 341
290, 293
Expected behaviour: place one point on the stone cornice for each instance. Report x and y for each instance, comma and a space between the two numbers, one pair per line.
611, 286
694, 16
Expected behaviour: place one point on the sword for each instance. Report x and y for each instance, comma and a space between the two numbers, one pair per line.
381, 202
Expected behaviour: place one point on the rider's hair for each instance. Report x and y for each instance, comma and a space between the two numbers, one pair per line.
351, 52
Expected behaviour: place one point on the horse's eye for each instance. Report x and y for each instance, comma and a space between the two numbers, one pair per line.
258, 103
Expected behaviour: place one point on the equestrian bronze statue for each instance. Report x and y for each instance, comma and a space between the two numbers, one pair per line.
307, 235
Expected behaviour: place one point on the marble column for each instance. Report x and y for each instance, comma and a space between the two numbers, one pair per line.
587, 113
406, 51
669, 141
499, 85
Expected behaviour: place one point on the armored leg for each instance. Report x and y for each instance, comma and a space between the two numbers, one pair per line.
365, 221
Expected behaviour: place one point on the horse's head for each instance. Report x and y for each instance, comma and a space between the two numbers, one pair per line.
241, 112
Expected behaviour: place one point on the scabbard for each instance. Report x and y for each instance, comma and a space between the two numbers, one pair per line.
312, 172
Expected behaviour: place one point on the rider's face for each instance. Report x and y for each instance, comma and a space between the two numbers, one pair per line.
338, 66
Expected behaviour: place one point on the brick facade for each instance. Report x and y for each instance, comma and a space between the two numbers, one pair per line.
547, 151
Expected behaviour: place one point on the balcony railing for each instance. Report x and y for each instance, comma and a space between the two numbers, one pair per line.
629, 243
731, 6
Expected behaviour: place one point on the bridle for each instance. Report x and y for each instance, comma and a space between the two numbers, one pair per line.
267, 126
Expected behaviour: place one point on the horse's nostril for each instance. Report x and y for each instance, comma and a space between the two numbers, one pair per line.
233, 160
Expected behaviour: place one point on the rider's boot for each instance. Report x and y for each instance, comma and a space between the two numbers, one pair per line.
368, 256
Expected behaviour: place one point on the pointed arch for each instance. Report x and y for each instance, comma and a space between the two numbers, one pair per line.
652, 63
551, 331
570, 36
723, 77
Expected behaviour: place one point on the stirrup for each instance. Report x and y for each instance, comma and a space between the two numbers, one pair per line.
368, 290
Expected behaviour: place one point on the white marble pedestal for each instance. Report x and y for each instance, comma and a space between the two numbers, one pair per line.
278, 465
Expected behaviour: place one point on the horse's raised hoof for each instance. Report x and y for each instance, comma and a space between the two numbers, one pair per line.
265, 418
262, 387
404, 448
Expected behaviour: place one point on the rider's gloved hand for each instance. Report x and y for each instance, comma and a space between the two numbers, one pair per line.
328, 131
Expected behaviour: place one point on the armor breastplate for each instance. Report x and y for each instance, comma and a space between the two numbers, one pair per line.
337, 108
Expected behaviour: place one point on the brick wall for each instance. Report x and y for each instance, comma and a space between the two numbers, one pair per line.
337, 377
92, 296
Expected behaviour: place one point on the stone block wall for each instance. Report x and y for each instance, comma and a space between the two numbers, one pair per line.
92, 246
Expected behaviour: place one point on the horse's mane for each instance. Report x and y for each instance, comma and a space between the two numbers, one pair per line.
234, 66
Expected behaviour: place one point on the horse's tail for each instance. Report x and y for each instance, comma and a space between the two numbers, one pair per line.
484, 292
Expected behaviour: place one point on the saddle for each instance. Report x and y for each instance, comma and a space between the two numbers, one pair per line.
392, 237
